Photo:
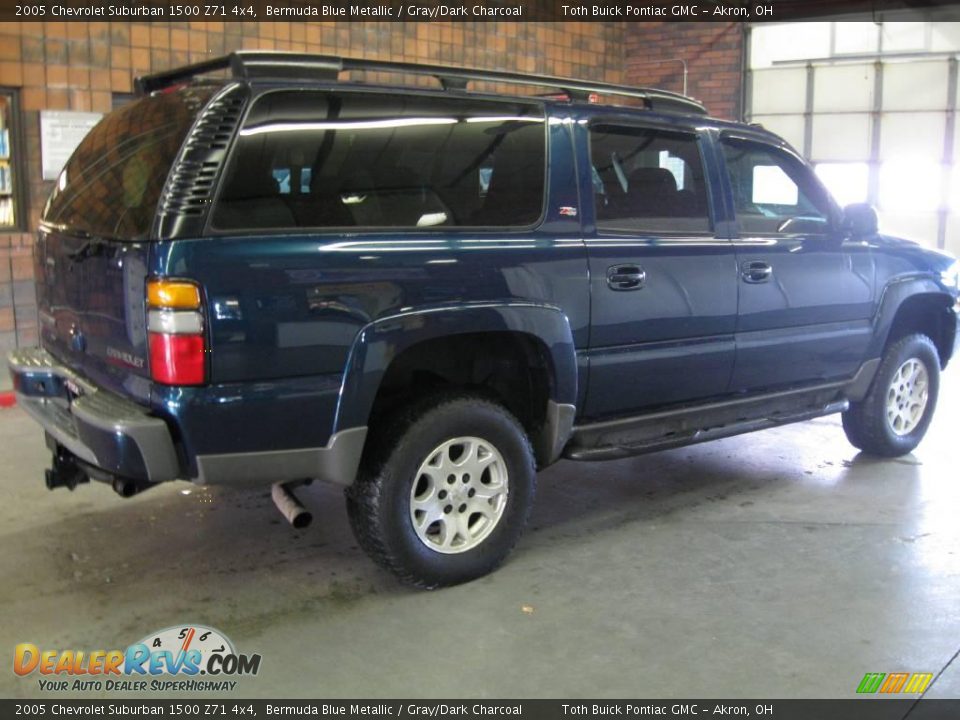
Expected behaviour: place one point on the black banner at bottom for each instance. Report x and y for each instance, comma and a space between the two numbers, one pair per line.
867, 708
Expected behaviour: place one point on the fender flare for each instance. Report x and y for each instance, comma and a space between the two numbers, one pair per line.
892, 297
378, 343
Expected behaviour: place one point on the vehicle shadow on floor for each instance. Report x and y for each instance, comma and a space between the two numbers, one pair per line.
227, 558
211, 535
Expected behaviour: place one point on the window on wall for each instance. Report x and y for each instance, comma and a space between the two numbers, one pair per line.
647, 180
911, 185
362, 160
872, 105
847, 182
9, 179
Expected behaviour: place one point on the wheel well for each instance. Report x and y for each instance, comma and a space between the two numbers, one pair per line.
925, 314
513, 368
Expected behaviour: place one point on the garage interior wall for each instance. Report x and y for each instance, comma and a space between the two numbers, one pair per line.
873, 105
89, 67
711, 54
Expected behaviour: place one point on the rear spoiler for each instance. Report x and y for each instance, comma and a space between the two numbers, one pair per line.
247, 65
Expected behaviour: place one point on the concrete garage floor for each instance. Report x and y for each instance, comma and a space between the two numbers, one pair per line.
778, 564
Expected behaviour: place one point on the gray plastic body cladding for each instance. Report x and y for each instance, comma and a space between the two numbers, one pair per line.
337, 463
97, 426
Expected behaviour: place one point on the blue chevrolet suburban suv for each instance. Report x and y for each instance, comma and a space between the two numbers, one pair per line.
426, 294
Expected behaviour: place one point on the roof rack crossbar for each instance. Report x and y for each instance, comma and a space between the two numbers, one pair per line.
259, 64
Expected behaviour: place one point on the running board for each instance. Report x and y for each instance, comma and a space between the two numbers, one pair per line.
686, 426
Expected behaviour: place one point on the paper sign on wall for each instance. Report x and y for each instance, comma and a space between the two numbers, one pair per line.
60, 133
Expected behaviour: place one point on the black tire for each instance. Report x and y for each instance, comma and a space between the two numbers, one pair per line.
379, 502
866, 424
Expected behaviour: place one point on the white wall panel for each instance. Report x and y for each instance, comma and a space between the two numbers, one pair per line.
856, 38
843, 88
921, 227
903, 36
945, 37
788, 41
953, 190
911, 186
915, 85
841, 137
789, 127
779, 90
847, 182
912, 135
953, 235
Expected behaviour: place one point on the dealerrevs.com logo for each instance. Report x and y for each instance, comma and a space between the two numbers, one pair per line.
173, 659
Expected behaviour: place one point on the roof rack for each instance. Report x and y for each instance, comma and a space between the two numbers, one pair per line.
248, 65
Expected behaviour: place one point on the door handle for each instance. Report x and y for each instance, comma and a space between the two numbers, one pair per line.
626, 277
756, 271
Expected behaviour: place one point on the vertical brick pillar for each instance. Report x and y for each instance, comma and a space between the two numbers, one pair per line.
712, 51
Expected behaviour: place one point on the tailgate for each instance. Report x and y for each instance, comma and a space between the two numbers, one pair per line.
95, 239
91, 300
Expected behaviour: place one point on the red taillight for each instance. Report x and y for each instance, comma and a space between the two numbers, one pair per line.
178, 348
178, 359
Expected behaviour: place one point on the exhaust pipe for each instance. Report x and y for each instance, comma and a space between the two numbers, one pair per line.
125, 487
289, 506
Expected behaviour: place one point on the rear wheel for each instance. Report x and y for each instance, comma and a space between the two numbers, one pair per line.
445, 490
894, 416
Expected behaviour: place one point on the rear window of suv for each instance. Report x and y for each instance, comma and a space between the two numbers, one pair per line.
375, 160
111, 185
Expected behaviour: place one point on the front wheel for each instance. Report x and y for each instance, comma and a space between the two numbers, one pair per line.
445, 490
894, 416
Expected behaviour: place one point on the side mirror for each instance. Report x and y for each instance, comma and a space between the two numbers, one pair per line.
860, 220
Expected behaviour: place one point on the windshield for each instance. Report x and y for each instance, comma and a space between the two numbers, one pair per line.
111, 185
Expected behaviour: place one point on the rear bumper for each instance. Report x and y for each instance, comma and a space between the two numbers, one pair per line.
123, 439
102, 429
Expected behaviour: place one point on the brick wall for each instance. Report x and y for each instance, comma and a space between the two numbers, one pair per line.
80, 65
713, 53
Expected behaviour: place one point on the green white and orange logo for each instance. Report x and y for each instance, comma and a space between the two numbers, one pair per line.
892, 683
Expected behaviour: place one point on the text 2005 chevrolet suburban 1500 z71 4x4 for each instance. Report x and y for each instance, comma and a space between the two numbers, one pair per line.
426, 295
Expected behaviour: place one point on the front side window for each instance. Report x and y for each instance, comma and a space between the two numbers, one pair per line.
648, 180
773, 192
314, 159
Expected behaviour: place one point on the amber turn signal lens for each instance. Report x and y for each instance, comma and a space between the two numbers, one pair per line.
174, 294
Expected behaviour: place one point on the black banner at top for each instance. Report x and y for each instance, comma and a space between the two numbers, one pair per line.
465, 11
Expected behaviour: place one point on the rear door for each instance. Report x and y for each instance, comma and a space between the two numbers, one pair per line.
341, 206
663, 283
94, 240
806, 292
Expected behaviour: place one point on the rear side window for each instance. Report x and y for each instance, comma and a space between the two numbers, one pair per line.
309, 159
111, 185
648, 180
